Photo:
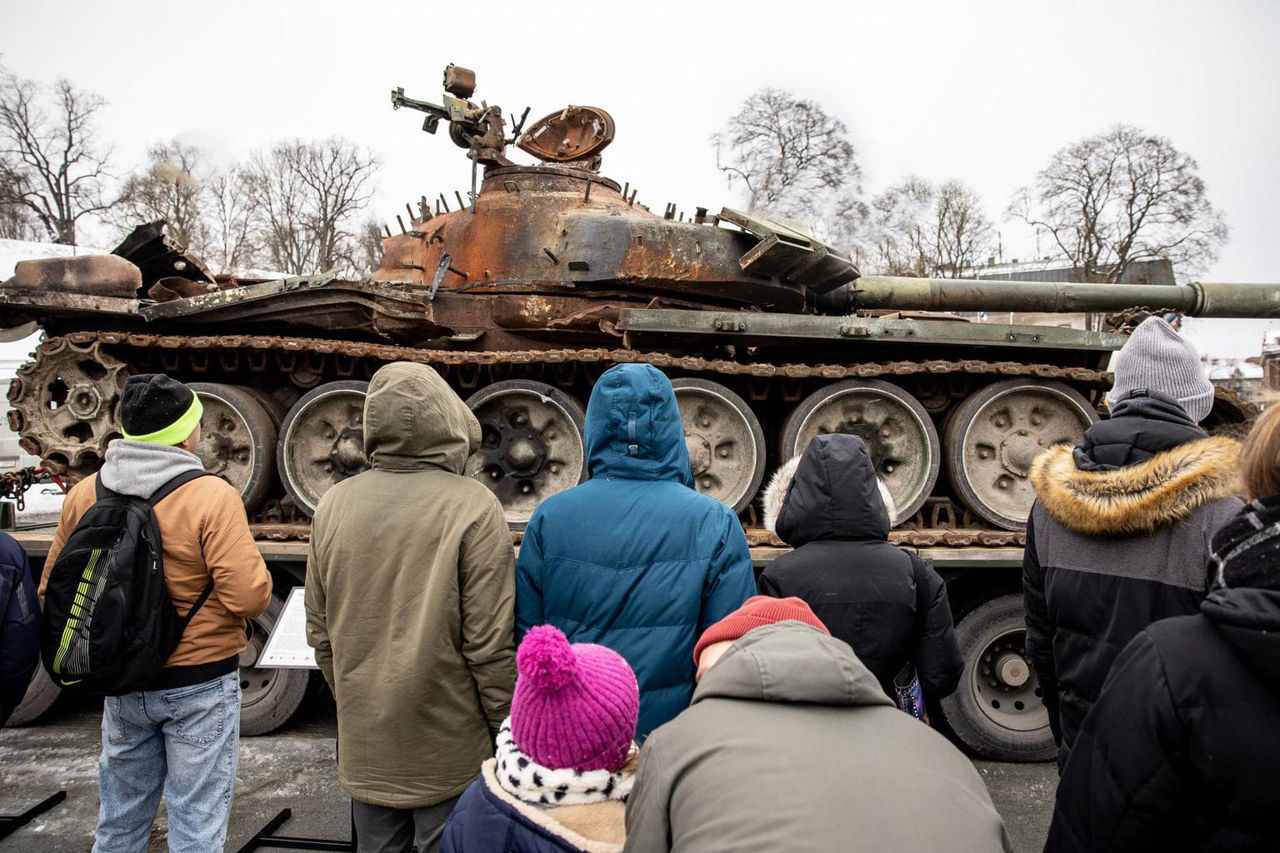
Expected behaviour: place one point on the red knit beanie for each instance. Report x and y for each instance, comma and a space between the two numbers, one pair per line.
755, 612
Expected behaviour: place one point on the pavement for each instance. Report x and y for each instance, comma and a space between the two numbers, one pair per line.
294, 769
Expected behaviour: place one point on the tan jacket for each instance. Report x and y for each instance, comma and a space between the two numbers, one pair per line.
205, 535
411, 599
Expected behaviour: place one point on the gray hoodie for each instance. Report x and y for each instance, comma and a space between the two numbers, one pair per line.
790, 744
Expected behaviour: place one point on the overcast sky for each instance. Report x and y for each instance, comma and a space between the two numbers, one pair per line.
981, 91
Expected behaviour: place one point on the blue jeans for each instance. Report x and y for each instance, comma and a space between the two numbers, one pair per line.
183, 742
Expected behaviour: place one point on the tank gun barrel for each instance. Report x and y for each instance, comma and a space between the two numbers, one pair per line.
1199, 299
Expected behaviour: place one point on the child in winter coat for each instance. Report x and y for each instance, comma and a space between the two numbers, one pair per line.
886, 603
565, 758
1180, 750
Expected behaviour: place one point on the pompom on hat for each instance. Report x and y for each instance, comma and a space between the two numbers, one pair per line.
575, 706
756, 612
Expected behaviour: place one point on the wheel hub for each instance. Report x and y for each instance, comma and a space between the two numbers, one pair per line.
347, 454
724, 441
699, 452
1017, 451
85, 401
1012, 670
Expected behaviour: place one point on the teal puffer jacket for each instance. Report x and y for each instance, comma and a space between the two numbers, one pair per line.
634, 558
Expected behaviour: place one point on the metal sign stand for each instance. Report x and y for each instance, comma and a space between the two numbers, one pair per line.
265, 838
9, 823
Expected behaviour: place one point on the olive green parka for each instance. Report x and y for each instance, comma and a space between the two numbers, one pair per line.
410, 599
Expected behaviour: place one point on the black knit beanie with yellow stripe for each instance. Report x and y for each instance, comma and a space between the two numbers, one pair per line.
158, 410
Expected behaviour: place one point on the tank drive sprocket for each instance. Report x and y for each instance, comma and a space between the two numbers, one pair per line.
65, 405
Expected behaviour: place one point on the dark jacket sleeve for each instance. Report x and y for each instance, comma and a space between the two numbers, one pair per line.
19, 627
529, 610
938, 659
730, 580
767, 583
1121, 787
1040, 630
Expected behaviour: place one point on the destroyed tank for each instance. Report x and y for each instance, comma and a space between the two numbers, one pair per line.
521, 293
542, 276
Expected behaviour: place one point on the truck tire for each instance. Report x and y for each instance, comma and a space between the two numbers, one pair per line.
42, 693
269, 697
997, 711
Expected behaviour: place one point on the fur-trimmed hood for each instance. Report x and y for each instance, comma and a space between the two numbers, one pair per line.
1136, 498
844, 488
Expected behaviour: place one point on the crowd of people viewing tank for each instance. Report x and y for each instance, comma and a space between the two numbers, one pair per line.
629, 683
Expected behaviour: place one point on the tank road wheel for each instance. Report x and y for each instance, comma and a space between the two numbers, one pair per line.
64, 405
725, 441
530, 443
322, 441
993, 436
997, 710
268, 697
237, 440
899, 434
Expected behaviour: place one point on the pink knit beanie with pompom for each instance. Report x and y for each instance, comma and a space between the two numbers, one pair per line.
575, 706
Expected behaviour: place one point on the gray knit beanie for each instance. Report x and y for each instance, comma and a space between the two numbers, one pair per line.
1159, 359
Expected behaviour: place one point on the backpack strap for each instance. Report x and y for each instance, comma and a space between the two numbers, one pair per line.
204, 596
160, 494
172, 485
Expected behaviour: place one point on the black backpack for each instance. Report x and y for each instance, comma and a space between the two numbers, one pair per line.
109, 624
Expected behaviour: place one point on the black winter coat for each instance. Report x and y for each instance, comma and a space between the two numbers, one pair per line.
1117, 539
19, 625
887, 604
1182, 748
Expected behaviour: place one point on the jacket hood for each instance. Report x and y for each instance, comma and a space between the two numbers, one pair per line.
138, 468
834, 494
1141, 425
791, 662
1136, 498
633, 427
413, 420
1249, 620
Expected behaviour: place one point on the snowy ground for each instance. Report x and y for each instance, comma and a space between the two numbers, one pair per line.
295, 769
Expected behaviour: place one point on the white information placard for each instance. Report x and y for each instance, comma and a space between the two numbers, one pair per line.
287, 647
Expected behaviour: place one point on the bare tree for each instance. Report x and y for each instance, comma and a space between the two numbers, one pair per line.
229, 240
305, 198
1120, 197
170, 187
369, 255
787, 153
51, 162
919, 229
16, 221
962, 234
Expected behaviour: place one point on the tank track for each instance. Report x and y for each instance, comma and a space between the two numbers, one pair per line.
303, 358
304, 347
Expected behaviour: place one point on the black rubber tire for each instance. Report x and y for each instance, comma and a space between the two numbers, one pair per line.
276, 409
303, 503
957, 424
787, 446
975, 631
753, 423
262, 435
264, 711
41, 695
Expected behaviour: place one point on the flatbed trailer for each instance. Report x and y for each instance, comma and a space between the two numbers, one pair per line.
983, 586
